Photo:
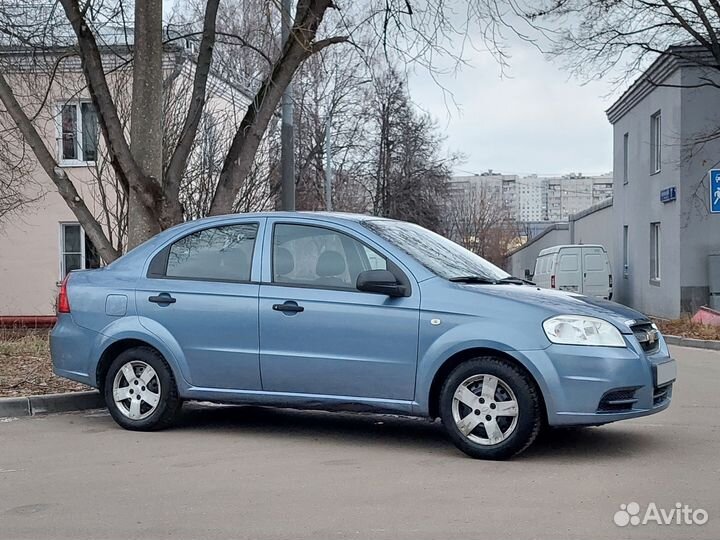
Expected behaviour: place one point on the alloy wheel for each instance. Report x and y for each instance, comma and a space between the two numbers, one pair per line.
136, 390
485, 409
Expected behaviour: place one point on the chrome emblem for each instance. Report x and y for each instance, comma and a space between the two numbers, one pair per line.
651, 336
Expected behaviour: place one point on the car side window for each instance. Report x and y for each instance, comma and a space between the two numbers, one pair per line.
219, 253
307, 255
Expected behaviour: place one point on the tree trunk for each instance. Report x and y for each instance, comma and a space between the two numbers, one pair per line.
146, 118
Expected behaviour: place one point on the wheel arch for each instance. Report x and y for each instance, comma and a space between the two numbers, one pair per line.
468, 354
112, 351
129, 332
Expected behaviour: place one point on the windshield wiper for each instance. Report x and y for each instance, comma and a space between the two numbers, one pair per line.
473, 279
516, 280
490, 281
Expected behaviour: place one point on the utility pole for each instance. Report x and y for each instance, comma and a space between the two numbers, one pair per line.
328, 163
287, 131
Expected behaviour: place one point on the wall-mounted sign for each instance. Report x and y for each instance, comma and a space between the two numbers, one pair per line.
715, 191
669, 194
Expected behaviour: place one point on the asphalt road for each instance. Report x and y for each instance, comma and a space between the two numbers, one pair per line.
240, 473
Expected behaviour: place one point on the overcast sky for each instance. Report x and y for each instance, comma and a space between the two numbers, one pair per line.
537, 120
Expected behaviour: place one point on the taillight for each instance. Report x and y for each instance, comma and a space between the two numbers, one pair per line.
63, 303
552, 282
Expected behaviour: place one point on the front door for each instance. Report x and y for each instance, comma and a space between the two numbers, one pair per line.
199, 290
318, 333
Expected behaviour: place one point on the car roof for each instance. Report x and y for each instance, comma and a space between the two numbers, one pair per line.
555, 249
339, 216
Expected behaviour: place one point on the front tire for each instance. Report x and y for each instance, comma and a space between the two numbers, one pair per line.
490, 408
140, 390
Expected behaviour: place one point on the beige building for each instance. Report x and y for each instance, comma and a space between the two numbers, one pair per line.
43, 241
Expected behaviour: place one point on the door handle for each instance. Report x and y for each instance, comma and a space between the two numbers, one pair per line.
288, 307
162, 298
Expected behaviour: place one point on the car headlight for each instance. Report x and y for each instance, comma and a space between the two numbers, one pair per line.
579, 330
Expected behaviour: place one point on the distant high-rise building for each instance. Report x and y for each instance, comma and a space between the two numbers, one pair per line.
534, 198
572, 193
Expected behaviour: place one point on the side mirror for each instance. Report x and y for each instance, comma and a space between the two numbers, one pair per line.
381, 282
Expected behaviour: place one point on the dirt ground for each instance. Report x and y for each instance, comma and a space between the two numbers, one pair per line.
689, 329
25, 367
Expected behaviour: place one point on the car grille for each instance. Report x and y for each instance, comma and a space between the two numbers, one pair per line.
647, 336
618, 400
661, 394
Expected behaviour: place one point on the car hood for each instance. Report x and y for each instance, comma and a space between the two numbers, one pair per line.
561, 303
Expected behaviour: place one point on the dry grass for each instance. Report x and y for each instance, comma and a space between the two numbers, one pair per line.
13, 343
25, 367
689, 329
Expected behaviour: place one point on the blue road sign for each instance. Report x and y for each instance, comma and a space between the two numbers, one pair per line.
715, 191
668, 194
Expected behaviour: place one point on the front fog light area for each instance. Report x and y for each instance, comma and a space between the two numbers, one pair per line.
578, 330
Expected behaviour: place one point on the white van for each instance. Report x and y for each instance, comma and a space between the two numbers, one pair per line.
582, 269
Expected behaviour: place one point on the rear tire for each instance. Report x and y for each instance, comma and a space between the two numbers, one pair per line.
140, 390
490, 408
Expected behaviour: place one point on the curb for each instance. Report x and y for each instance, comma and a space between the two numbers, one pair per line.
50, 403
710, 344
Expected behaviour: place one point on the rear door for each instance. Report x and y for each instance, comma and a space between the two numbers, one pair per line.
540, 276
568, 270
203, 289
596, 272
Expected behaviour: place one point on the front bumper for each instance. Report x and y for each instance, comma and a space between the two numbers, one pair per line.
596, 385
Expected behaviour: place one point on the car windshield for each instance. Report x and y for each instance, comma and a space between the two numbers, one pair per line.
438, 254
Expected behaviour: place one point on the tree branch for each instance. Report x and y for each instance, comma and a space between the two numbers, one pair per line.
64, 185
238, 162
320, 45
178, 161
121, 158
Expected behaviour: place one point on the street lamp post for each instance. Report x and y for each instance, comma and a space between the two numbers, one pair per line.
328, 163
287, 130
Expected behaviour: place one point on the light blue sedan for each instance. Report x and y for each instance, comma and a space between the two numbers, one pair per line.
351, 312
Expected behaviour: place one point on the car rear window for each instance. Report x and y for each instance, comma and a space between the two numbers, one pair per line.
569, 262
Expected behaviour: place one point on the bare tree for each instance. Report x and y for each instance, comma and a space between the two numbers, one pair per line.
414, 31
17, 190
616, 38
479, 220
408, 169
331, 92
138, 174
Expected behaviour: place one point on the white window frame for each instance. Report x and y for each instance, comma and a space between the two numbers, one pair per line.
77, 103
61, 245
626, 252
655, 252
626, 157
656, 143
